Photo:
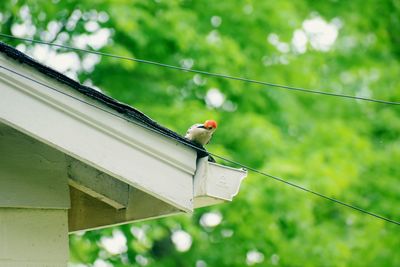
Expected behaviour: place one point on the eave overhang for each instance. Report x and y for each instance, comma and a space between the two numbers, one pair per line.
121, 166
108, 143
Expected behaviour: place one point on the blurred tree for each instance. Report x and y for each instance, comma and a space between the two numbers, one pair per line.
343, 148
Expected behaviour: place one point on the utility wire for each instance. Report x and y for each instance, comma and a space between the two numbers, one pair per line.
214, 155
218, 75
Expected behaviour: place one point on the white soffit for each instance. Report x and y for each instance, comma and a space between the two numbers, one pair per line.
146, 160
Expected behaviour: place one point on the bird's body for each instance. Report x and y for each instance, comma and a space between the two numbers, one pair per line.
201, 133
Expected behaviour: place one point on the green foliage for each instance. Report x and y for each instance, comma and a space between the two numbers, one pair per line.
346, 149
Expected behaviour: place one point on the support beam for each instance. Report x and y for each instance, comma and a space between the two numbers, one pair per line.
97, 184
88, 212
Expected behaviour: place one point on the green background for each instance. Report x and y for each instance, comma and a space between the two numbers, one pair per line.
343, 148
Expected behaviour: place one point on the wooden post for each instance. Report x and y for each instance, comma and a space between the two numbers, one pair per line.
34, 202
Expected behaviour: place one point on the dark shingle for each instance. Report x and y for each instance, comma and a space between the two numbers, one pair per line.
122, 108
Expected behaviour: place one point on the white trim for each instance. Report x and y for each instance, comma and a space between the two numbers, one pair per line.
215, 183
97, 138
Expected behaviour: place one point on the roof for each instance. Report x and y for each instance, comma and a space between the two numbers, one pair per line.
112, 103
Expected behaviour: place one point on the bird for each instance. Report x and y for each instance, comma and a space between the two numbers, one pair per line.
201, 133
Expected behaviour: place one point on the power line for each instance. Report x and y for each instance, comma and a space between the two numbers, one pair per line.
218, 75
215, 155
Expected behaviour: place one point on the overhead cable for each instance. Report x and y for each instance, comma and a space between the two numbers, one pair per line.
217, 75
276, 178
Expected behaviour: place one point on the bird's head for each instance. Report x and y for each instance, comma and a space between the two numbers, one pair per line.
210, 125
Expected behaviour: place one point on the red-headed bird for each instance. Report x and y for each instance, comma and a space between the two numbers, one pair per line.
201, 133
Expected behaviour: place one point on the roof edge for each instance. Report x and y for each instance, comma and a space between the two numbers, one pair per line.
112, 103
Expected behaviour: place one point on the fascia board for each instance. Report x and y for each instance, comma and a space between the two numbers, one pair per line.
146, 160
